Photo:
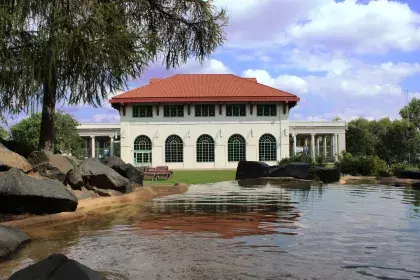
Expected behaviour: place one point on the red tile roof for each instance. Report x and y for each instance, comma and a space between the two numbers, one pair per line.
204, 88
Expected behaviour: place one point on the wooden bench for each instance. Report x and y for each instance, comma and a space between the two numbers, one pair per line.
160, 172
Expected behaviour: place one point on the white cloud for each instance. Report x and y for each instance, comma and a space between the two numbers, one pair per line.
256, 22
105, 118
357, 80
210, 66
316, 61
377, 27
290, 83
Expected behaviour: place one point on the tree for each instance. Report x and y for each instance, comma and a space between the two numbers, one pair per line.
78, 51
336, 119
359, 137
412, 112
27, 132
3, 133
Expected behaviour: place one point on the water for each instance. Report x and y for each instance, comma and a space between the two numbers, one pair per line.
224, 231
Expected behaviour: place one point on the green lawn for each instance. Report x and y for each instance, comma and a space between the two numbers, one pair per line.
196, 177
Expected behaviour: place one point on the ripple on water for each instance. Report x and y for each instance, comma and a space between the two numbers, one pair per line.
224, 231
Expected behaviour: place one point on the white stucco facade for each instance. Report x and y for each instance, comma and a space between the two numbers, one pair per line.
189, 128
220, 128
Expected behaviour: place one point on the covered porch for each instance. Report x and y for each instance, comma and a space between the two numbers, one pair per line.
100, 140
326, 139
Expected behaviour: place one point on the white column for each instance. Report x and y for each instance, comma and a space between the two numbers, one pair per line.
112, 145
337, 144
333, 146
324, 143
93, 145
318, 138
294, 144
342, 142
313, 145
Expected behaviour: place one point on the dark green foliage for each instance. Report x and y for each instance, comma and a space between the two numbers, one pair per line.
392, 141
301, 157
78, 51
361, 165
3, 133
26, 133
412, 111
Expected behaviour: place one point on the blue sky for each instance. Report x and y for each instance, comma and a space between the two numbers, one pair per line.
344, 58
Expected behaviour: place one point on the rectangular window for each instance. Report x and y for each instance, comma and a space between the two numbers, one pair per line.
266, 110
205, 110
142, 111
172, 111
236, 110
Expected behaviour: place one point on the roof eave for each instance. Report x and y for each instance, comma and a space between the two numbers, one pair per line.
205, 99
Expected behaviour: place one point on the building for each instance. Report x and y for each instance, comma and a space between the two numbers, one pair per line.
209, 121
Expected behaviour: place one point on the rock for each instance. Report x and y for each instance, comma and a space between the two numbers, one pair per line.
20, 193
384, 173
10, 240
326, 175
298, 170
98, 175
130, 172
49, 165
409, 174
73, 161
82, 193
112, 160
74, 178
104, 192
57, 267
251, 169
9, 159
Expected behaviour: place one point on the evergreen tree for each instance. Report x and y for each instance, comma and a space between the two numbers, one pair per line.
78, 51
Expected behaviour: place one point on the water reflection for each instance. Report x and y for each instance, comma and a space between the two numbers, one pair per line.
224, 212
251, 230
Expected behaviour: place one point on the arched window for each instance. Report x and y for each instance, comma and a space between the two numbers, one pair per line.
174, 149
205, 148
142, 150
268, 148
236, 148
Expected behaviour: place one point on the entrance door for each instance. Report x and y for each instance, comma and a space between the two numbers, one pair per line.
142, 151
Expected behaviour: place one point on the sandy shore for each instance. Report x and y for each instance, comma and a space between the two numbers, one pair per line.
98, 206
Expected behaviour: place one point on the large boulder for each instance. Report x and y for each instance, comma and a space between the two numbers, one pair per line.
326, 175
9, 159
251, 169
10, 240
409, 174
74, 178
49, 165
298, 170
57, 267
98, 175
20, 193
73, 161
112, 161
130, 172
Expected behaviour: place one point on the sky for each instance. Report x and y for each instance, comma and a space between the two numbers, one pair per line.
344, 58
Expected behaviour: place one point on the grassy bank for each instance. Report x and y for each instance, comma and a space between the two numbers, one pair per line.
196, 177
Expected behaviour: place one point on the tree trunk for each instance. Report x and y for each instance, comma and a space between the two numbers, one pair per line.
46, 139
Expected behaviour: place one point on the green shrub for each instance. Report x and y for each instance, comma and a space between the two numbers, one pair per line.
362, 165
395, 167
301, 157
